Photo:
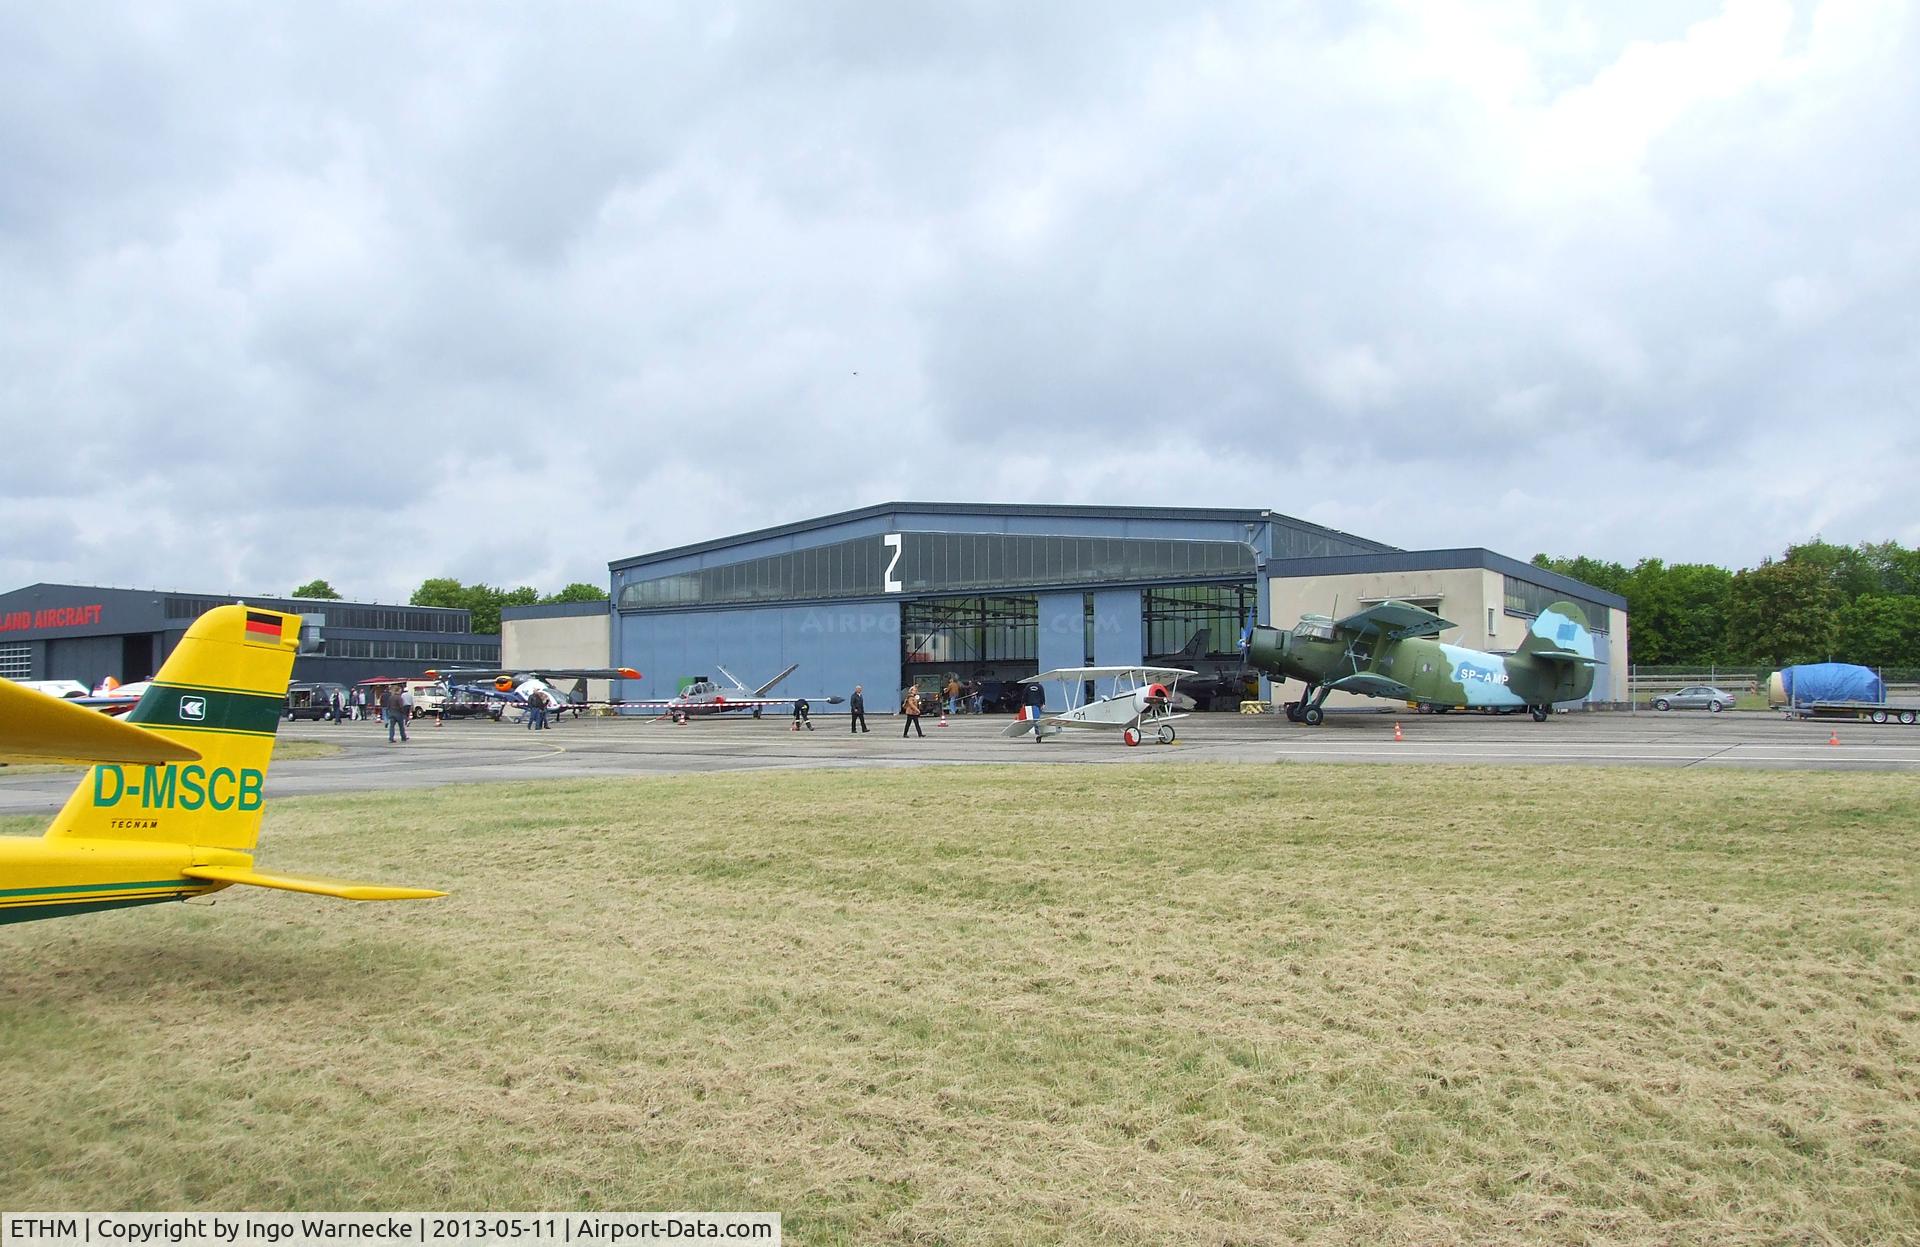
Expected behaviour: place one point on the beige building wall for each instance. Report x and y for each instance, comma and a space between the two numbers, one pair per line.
1618, 673
568, 641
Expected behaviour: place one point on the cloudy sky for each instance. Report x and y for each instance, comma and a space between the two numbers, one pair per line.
379, 292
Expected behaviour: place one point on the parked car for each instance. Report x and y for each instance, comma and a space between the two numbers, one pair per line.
1695, 697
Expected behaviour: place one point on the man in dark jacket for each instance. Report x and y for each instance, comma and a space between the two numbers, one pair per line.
857, 718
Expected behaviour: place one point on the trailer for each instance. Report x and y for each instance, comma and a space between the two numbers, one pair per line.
1836, 690
1872, 711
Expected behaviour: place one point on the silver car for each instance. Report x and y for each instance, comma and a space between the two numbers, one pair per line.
1695, 697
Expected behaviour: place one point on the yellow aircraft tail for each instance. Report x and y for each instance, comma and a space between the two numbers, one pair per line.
220, 693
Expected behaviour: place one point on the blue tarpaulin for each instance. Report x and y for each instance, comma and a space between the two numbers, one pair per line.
1831, 681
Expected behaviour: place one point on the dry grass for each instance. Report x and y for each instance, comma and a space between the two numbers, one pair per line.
1022, 1005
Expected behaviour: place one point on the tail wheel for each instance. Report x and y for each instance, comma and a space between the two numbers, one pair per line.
1131, 736
1165, 734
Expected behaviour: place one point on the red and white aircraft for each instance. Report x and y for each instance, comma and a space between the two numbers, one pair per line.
703, 695
1140, 699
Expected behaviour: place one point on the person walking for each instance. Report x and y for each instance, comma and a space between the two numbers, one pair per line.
857, 719
911, 708
396, 715
336, 706
953, 693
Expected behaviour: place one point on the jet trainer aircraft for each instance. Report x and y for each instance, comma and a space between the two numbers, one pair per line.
704, 695
1139, 697
171, 808
1388, 651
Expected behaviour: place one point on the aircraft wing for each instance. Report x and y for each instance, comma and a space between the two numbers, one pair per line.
1396, 620
725, 702
1371, 685
1102, 673
541, 673
36, 727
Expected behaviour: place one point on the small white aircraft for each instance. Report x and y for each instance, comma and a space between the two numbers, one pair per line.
1140, 698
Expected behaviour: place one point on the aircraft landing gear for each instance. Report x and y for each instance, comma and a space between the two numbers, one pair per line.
1313, 716
1539, 713
1131, 736
1293, 712
1165, 734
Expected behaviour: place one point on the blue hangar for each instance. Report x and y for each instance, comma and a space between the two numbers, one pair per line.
900, 593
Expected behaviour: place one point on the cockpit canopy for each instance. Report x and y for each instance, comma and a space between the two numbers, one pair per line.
1314, 628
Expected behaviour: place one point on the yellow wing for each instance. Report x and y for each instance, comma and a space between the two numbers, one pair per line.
316, 885
37, 728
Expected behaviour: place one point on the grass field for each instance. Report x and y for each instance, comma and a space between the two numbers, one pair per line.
1216, 1004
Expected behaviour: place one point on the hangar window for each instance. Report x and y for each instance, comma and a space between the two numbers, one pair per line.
16, 662
191, 608
942, 562
963, 633
1173, 618
1527, 599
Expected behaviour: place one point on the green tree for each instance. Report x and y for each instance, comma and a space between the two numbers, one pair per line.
442, 591
1850, 570
578, 591
1879, 632
483, 602
1781, 613
1609, 576
1896, 567
1678, 613
317, 589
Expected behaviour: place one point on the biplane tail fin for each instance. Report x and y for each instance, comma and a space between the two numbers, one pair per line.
1559, 634
1025, 722
220, 693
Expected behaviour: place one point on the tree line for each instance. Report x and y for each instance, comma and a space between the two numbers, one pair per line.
1818, 602
481, 601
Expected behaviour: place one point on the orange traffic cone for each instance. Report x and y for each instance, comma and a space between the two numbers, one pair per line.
1835, 738
1396, 730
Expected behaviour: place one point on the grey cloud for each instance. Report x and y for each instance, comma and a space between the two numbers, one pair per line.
528, 292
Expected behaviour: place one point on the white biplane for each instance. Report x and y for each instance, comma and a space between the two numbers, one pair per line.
1139, 700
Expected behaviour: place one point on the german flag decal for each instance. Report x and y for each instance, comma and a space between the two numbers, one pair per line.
263, 629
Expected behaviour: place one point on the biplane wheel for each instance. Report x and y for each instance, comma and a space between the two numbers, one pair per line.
1131, 736
1166, 734
1312, 716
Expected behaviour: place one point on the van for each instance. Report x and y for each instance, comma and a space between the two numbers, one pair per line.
313, 701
